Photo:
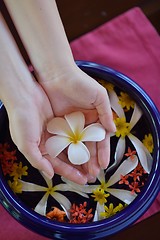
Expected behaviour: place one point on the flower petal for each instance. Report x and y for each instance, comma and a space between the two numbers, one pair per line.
32, 187
119, 152
94, 132
123, 195
78, 153
59, 126
63, 201
56, 145
47, 180
144, 156
76, 121
99, 209
42, 205
114, 100
127, 166
120, 149
137, 113
101, 176
77, 187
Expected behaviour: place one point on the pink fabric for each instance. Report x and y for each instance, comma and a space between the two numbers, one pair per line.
129, 44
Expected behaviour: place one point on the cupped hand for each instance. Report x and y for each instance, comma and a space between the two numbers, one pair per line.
73, 90
28, 121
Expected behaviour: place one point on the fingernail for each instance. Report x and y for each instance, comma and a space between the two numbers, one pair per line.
47, 175
91, 179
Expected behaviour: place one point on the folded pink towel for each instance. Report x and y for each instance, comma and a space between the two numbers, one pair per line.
129, 44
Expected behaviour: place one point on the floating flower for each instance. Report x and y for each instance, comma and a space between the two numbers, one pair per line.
79, 214
16, 186
124, 130
7, 158
148, 142
50, 190
100, 195
130, 153
18, 171
56, 214
110, 211
71, 132
126, 101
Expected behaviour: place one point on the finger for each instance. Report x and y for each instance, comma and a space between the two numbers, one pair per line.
103, 107
68, 171
93, 165
104, 152
34, 156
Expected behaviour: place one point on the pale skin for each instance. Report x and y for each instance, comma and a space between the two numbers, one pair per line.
61, 88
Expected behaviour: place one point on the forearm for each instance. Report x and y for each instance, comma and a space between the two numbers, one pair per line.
13, 87
40, 27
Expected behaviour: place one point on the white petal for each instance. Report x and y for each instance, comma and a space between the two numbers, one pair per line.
59, 126
144, 159
63, 201
99, 209
47, 180
78, 153
137, 113
42, 205
76, 121
119, 153
114, 100
56, 144
123, 195
77, 187
127, 166
31, 187
120, 149
101, 176
94, 132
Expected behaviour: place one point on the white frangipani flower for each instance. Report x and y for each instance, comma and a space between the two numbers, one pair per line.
49, 190
124, 195
70, 132
142, 152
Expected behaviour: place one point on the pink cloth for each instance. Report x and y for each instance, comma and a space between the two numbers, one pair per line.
129, 44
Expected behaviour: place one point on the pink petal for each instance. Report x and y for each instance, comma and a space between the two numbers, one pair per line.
76, 121
94, 132
78, 153
59, 126
56, 144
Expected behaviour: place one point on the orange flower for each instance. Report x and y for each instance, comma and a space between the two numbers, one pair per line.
130, 153
56, 214
79, 214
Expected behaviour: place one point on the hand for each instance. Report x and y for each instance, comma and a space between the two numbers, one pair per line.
73, 90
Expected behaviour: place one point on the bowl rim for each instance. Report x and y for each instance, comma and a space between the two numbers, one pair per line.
28, 217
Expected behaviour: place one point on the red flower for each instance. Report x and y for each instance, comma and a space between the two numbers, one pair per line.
130, 153
79, 214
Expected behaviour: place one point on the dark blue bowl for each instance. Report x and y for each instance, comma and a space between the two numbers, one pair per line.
121, 220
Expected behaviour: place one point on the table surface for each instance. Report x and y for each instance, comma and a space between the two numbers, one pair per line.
80, 17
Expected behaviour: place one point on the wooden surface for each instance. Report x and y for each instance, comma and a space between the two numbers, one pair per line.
80, 17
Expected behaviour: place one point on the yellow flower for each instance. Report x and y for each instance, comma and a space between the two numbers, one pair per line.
18, 171
123, 128
148, 142
110, 211
109, 86
100, 196
16, 186
126, 101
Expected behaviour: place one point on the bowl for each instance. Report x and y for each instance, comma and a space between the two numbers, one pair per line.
113, 213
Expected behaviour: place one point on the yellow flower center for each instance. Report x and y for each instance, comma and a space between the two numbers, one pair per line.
100, 196
75, 137
123, 128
